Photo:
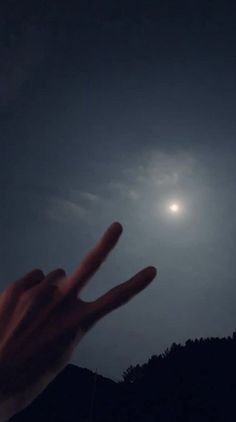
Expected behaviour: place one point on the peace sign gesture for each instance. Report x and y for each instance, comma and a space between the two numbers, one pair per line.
42, 319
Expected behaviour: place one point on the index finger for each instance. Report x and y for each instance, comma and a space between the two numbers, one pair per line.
92, 261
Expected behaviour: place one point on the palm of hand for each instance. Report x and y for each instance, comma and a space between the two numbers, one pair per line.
42, 319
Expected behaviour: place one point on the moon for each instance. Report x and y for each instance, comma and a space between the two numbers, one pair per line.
174, 208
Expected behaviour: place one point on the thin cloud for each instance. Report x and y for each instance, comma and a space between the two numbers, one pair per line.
64, 210
160, 170
133, 194
153, 172
90, 196
123, 189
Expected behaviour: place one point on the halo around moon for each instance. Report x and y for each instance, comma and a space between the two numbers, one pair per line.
174, 207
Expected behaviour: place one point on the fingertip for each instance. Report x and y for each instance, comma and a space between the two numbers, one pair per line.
118, 226
152, 271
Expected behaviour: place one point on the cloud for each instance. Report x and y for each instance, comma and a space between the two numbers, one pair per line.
74, 205
133, 194
148, 178
84, 197
90, 196
64, 210
160, 169
144, 177
123, 190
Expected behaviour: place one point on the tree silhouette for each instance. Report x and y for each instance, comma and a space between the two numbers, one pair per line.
187, 383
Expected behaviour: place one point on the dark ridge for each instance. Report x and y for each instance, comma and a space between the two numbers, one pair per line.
195, 382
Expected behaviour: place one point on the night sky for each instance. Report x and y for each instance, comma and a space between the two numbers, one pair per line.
114, 111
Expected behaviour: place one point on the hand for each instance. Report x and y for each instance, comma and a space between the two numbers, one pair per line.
42, 319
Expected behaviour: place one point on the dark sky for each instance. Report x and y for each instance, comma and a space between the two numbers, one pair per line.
110, 111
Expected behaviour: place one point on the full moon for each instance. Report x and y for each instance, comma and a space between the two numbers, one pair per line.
174, 207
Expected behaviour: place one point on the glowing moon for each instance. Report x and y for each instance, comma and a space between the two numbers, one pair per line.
174, 207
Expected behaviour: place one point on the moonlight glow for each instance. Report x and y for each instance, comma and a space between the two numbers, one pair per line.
174, 207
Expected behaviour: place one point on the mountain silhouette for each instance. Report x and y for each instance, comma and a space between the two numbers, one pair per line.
195, 382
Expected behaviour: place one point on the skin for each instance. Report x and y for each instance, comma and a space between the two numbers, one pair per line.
42, 319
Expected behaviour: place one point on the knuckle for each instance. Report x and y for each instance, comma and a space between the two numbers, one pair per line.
18, 285
13, 289
57, 272
41, 296
46, 290
61, 270
38, 272
29, 295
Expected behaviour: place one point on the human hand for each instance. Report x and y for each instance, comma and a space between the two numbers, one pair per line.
42, 319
